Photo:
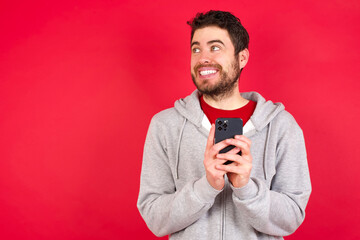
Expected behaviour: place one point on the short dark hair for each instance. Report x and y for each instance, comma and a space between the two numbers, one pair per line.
225, 20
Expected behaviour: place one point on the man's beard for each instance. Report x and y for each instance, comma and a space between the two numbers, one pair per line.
224, 87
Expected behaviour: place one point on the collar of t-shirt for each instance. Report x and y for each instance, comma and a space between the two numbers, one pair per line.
212, 113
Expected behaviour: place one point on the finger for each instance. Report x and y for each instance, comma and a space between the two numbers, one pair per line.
219, 146
220, 167
210, 140
218, 172
235, 150
232, 157
233, 169
243, 138
245, 148
214, 161
219, 161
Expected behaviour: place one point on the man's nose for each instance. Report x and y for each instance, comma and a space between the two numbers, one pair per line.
205, 58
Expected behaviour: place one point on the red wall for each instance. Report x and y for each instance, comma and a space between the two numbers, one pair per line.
80, 81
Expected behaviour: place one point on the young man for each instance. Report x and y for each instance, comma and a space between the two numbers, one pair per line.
186, 190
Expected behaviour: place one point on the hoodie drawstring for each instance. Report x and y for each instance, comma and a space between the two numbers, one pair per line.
178, 150
266, 149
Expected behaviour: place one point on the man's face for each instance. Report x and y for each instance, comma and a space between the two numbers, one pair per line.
214, 67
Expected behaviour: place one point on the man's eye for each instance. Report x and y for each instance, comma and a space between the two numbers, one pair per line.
196, 50
215, 48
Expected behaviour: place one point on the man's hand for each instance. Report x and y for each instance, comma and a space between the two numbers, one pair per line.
239, 171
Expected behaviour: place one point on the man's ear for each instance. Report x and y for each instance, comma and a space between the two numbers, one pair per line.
243, 58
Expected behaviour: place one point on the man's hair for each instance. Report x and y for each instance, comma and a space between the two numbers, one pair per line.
225, 20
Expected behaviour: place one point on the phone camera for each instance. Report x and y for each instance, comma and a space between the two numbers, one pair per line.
219, 128
225, 125
220, 122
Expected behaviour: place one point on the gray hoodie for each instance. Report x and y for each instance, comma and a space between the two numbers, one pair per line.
176, 199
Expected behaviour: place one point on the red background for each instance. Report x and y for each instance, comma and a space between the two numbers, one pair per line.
80, 81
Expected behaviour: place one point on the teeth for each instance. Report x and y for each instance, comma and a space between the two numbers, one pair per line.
207, 72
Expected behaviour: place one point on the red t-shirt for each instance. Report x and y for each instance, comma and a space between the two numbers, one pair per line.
212, 113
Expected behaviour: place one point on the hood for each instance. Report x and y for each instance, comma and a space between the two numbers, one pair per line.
265, 111
190, 108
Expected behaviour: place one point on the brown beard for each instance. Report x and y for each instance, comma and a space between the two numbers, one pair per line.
224, 87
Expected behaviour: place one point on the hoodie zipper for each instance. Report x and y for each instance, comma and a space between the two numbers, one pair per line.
223, 212
222, 216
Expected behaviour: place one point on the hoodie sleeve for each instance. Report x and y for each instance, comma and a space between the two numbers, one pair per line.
164, 208
280, 210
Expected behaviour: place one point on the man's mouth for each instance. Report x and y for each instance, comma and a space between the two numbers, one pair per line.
207, 72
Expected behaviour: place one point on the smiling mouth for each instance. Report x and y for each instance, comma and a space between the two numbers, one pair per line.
207, 72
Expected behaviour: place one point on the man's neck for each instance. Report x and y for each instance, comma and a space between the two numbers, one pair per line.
229, 102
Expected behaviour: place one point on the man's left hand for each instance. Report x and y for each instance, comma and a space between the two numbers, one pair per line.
239, 171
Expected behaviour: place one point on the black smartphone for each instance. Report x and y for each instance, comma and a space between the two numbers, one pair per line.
227, 128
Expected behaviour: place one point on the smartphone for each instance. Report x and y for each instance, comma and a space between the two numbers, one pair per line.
227, 128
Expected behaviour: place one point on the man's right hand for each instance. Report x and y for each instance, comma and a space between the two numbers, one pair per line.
214, 176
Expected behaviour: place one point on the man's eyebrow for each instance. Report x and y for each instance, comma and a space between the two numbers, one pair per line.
193, 43
215, 41
208, 43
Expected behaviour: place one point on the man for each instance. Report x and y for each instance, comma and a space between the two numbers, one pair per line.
186, 190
